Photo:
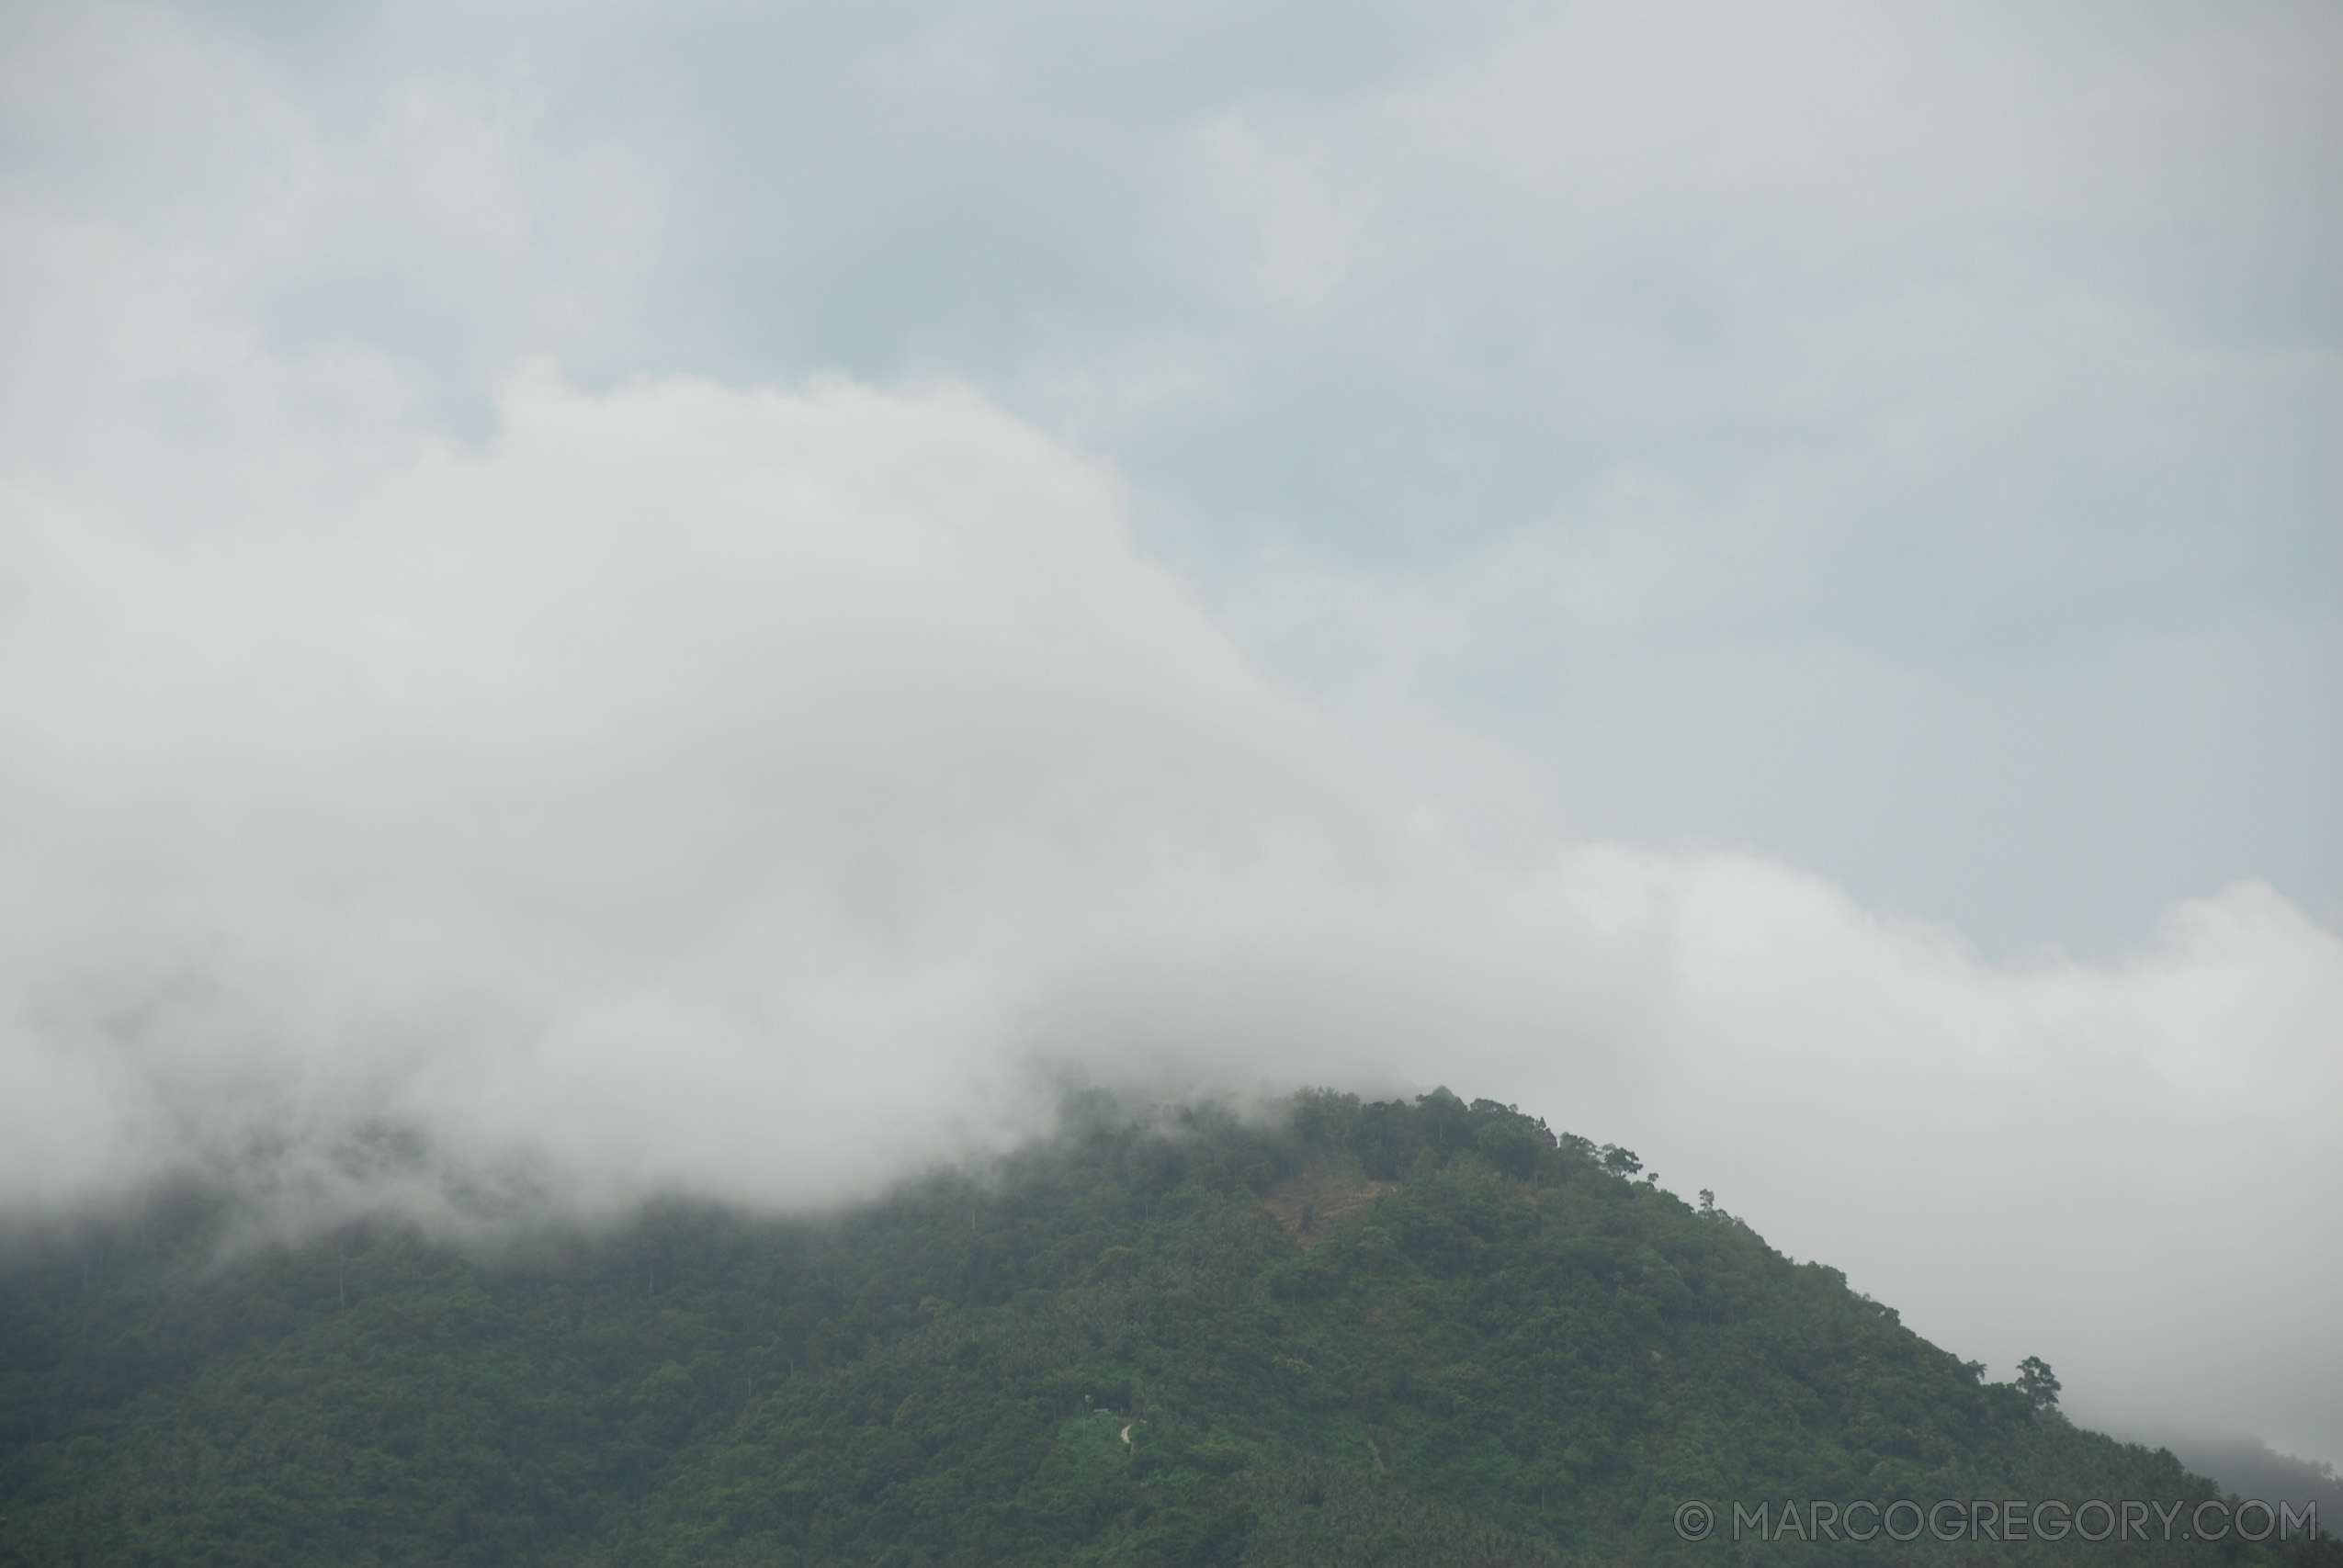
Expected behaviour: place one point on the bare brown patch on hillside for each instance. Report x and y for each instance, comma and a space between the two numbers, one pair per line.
1311, 1206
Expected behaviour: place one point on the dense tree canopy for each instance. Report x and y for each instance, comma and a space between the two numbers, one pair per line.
1420, 1333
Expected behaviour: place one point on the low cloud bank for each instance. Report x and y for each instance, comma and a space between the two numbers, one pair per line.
765, 795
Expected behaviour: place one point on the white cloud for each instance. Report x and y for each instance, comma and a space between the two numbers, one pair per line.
683, 713
749, 792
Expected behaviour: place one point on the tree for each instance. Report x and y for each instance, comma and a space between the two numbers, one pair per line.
2036, 1382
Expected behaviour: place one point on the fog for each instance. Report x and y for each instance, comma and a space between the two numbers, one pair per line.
764, 794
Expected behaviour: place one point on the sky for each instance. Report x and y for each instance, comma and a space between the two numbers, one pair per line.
716, 597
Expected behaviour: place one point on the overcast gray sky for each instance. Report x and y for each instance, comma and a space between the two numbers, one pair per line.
1765, 580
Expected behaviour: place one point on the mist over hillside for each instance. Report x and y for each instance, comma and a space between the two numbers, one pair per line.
757, 796
2252, 1468
1420, 1332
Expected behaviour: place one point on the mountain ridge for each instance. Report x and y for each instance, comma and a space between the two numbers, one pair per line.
1493, 1344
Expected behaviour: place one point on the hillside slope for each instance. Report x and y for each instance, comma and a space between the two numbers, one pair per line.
1424, 1333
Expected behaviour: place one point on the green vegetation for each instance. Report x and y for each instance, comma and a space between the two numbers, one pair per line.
1425, 1333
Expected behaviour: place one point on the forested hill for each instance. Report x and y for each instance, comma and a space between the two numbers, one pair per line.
1424, 1333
